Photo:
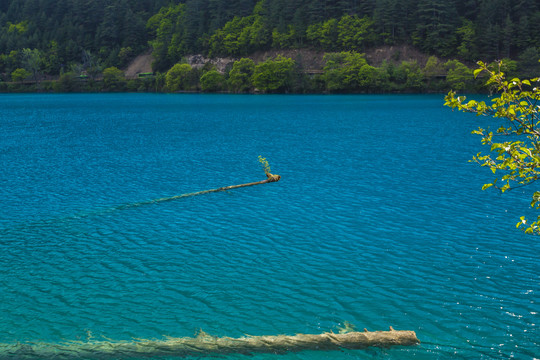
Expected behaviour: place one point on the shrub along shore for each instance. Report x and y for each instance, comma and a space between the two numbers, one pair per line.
343, 72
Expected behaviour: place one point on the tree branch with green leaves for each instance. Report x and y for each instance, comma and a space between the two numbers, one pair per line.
515, 145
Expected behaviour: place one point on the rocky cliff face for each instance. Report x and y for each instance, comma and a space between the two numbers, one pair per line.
198, 61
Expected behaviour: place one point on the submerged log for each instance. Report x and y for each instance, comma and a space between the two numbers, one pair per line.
269, 179
205, 344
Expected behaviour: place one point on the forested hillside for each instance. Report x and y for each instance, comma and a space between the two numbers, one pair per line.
69, 32
466, 29
52, 37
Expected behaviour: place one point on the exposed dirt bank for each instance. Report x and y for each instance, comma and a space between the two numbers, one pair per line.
141, 64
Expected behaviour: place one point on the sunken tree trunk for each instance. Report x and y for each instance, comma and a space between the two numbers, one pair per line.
205, 344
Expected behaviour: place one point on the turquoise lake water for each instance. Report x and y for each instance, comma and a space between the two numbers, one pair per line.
378, 220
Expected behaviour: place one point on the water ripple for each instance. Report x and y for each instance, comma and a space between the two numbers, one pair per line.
368, 226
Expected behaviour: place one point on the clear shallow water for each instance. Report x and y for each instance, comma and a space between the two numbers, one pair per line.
378, 220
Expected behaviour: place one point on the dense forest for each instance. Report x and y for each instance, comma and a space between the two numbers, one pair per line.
468, 29
41, 39
69, 32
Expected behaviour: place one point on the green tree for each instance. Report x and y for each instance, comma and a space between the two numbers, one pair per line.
274, 75
394, 20
341, 70
355, 32
67, 82
435, 24
509, 67
20, 74
349, 71
324, 35
240, 75
433, 67
167, 28
516, 160
19, 28
412, 75
458, 75
369, 78
260, 35
528, 60
32, 62
466, 35
125, 55
91, 64
434, 73
334, 71
10, 61
284, 40
159, 81
177, 77
113, 79
212, 81
51, 60
226, 41
241, 35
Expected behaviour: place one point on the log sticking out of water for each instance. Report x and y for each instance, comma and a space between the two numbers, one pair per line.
269, 178
205, 344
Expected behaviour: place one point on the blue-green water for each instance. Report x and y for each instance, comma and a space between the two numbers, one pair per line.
378, 220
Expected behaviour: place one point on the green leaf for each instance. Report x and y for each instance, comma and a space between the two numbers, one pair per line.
476, 72
526, 150
486, 186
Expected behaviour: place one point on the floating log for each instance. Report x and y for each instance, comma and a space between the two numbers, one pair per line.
205, 344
